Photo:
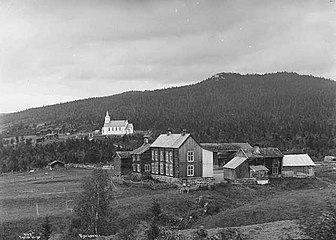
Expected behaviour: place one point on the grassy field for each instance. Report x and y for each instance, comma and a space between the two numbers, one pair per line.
230, 205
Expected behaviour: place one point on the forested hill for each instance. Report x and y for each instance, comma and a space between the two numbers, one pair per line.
287, 110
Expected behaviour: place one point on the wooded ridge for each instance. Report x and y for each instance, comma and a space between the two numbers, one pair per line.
296, 113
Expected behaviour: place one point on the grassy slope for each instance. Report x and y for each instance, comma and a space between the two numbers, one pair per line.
239, 205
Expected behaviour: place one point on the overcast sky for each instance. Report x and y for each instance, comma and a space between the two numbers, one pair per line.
55, 51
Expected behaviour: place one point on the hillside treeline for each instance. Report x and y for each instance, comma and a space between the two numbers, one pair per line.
294, 112
23, 155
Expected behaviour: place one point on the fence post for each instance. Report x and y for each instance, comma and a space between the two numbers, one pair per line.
37, 210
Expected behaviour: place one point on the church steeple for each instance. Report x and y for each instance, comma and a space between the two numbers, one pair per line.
107, 117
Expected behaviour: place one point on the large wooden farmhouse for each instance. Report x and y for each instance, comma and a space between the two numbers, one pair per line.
116, 127
252, 162
180, 156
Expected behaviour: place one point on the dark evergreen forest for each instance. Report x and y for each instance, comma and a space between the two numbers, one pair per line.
296, 113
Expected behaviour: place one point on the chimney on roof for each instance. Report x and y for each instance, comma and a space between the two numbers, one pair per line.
256, 149
183, 132
169, 131
145, 139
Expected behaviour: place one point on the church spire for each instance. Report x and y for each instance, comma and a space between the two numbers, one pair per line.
107, 117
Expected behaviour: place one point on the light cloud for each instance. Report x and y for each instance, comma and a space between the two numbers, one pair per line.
57, 51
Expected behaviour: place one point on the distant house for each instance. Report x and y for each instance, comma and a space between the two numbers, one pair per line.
122, 162
116, 127
248, 162
224, 152
141, 158
55, 165
180, 156
297, 165
329, 159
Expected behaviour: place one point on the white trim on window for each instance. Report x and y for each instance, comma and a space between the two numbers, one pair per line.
147, 167
190, 170
190, 156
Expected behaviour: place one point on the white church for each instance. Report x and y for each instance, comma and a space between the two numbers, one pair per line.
116, 127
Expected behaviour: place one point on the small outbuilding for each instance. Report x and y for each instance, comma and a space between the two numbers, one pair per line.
56, 165
237, 168
297, 165
122, 162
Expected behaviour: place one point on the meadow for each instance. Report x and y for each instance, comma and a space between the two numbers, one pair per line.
55, 193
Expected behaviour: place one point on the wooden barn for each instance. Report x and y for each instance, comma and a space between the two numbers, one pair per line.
237, 168
269, 157
298, 165
141, 158
122, 162
55, 165
180, 156
224, 152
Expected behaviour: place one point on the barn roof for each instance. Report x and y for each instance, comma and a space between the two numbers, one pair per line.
141, 149
171, 140
296, 160
218, 147
235, 162
124, 154
263, 152
116, 123
259, 168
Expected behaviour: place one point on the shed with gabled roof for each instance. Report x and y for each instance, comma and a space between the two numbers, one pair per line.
237, 168
297, 165
122, 162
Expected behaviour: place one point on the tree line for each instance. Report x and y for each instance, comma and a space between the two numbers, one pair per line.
296, 113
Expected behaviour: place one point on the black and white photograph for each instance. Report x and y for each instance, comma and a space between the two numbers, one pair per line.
167, 119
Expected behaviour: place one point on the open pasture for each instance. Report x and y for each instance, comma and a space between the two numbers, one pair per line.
34, 194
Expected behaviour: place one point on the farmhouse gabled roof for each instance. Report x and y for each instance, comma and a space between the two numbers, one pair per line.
297, 160
235, 162
141, 149
263, 152
218, 147
171, 140
124, 154
116, 123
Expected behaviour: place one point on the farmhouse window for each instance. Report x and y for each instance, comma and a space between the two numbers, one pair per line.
190, 156
190, 170
170, 156
167, 156
134, 168
138, 167
156, 168
275, 167
171, 169
153, 155
147, 167
153, 168
134, 158
161, 169
138, 157
161, 156
156, 155
167, 169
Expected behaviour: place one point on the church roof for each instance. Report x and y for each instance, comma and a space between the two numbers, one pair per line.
116, 123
